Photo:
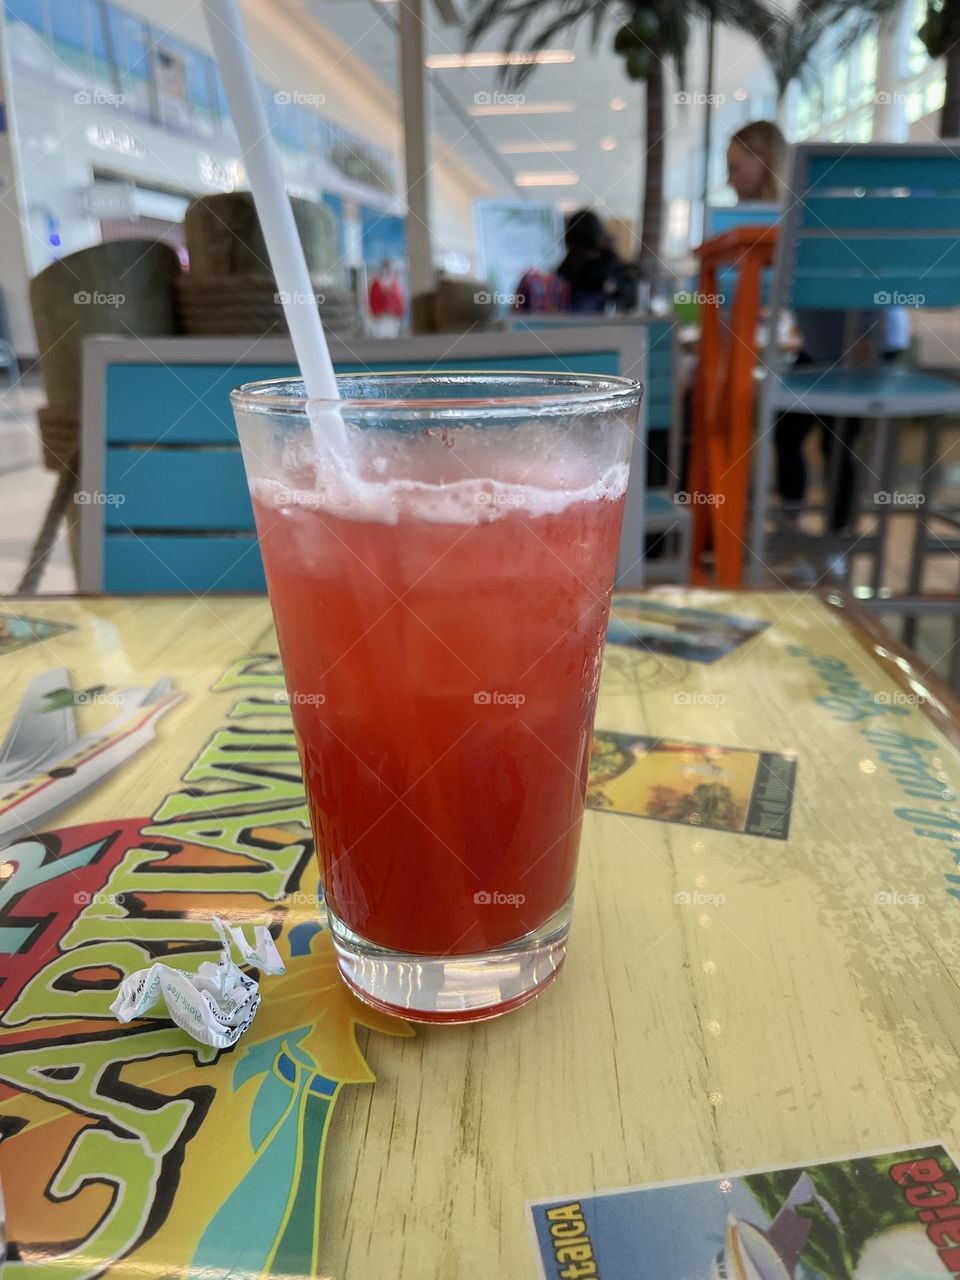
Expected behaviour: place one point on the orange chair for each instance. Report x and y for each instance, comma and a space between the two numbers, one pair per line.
723, 399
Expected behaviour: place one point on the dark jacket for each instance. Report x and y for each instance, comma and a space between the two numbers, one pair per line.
596, 277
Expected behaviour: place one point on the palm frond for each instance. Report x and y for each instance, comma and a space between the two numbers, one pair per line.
752, 17
491, 13
519, 18
522, 15
860, 21
789, 45
674, 37
597, 19
792, 40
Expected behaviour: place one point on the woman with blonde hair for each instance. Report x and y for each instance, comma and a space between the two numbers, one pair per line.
756, 158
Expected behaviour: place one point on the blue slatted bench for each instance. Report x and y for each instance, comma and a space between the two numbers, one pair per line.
869, 227
159, 443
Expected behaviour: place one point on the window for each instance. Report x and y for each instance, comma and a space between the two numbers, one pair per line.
223, 111
325, 139
106, 75
917, 57
100, 35
866, 56
280, 107
32, 13
837, 90
311, 133
27, 34
809, 112
302, 131
862, 127
169, 58
130, 38
288, 124
71, 43
201, 92
200, 88
935, 94
68, 21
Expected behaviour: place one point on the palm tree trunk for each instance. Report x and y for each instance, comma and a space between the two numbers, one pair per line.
651, 236
781, 113
950, 115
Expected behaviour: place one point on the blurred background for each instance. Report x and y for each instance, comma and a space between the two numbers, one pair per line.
434, 149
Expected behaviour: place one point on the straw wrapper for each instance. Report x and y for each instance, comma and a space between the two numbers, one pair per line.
216, 1004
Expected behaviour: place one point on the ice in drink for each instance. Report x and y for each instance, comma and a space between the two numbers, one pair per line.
443, 670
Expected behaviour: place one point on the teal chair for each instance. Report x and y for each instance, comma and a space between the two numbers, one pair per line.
664, 514
867, 227
750, 213
169, 510
661, 430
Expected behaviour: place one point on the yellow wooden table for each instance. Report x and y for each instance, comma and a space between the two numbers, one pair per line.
730, 1000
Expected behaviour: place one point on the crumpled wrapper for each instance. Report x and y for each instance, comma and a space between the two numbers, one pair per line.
216, 1004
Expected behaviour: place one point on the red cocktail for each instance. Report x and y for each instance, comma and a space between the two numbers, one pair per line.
440, 612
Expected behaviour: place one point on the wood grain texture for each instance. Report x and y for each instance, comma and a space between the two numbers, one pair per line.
803, 1017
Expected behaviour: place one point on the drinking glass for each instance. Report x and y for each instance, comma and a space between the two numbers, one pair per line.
440, 590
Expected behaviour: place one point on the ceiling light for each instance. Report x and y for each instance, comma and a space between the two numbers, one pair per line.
618, 104
535, 148
453, 61
546, 179
520, 108
608, 144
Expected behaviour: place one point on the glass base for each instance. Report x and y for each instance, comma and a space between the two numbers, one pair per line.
463, 988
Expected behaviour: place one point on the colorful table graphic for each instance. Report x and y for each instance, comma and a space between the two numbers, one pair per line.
17, 630
891, 1216
47, 764
97, 1118
728, 1001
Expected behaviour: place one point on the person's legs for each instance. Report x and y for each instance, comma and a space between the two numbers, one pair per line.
790, 432
840, 435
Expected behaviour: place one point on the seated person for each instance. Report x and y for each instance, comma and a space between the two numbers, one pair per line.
596, 277
756, 158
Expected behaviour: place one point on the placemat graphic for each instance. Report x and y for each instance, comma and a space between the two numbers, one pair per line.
725, 788
699, 635
17, 630
134, 1142
890, 1216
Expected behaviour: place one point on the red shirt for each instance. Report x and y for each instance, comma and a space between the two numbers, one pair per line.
385, 299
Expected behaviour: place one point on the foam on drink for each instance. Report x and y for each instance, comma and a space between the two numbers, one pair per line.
441, 477
463, 502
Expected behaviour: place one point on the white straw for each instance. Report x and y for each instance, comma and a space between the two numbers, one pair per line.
273, 209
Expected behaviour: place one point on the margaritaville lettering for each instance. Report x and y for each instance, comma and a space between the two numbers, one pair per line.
243, 801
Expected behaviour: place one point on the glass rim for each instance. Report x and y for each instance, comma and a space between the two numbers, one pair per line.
575, 393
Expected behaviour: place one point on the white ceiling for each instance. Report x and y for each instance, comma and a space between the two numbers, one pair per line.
608, 179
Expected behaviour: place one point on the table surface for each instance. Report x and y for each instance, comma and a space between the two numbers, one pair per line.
729, 1001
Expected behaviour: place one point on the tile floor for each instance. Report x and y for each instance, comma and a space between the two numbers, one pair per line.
25, 491
26, 488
